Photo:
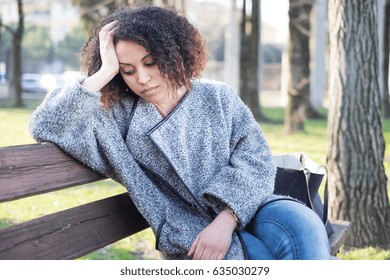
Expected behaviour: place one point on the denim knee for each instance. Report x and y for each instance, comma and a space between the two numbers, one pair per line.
290, 230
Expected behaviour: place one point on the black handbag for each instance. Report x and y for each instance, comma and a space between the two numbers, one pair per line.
300, 178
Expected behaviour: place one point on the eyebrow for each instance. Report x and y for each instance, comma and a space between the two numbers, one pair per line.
129, 64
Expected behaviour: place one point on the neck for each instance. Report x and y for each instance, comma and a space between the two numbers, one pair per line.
168, 104
162, 112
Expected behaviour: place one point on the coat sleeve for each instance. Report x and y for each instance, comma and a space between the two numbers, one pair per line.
248, 178
73, 119
67, 117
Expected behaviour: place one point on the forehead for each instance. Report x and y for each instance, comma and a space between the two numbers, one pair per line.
127, 51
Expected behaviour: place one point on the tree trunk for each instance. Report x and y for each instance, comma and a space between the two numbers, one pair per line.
231, 55
299, 60
319, 53
384, 65
249, 59
17, 58
356, 145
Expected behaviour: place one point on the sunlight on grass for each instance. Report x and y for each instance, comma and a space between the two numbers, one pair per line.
14, 131
14, 127
40, 205
369, 253
311, 141
138, 246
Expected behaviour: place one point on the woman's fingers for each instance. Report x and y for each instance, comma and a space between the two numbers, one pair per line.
196, 250
110, 63
199, 251
107, 31
193, 247
221, 256
109, 26
217, 255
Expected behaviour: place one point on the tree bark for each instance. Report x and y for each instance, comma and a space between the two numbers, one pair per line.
384, 67
249, 59
17, 58
319, 53
299, 60
355, 152
232, 43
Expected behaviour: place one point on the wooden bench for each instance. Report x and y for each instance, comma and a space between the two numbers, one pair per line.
41, 168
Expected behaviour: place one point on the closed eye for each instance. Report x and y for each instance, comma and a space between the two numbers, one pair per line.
130, 72
150, 64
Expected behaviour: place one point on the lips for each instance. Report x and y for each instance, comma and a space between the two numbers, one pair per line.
149, 89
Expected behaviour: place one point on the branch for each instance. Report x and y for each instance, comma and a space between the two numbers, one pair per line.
9, 29
300, 23
294, 90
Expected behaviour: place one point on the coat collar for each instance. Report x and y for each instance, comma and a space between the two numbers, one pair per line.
187, 147
145, 124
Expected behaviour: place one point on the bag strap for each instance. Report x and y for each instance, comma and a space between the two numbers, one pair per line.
326, 196
307, 173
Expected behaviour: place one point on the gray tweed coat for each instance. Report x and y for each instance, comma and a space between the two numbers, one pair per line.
180, 171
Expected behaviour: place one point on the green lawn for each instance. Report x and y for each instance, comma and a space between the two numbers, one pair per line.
14, 131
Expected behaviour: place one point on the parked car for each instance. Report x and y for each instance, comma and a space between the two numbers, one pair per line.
3, 80
33, 83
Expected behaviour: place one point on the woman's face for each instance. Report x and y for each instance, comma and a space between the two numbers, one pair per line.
140, 71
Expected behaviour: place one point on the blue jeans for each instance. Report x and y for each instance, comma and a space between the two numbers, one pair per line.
286, 230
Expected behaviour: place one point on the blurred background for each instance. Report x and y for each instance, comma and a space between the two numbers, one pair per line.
313, 72
55, 30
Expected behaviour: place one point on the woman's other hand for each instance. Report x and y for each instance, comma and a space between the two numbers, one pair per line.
214, 241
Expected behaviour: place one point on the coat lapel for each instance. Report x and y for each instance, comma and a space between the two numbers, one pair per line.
149, 156
193, 141
182, 148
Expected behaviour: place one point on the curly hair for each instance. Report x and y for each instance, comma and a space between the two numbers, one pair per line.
175, 44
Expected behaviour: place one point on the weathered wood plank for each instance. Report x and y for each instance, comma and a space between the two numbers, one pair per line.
341, 231
39, 168
72, 233
33, 169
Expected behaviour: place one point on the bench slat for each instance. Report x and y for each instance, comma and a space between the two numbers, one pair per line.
73, 233
39, 168
341, 230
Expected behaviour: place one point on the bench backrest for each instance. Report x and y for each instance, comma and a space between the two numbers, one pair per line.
40, 168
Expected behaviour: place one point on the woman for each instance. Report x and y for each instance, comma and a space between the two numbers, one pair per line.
193, 159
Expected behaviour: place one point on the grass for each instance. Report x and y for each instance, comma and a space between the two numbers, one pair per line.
312, 141
14, 131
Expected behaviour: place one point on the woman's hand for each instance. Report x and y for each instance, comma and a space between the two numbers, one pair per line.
213, 242
110, 63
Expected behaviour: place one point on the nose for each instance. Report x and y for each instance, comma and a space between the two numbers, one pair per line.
143, 76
